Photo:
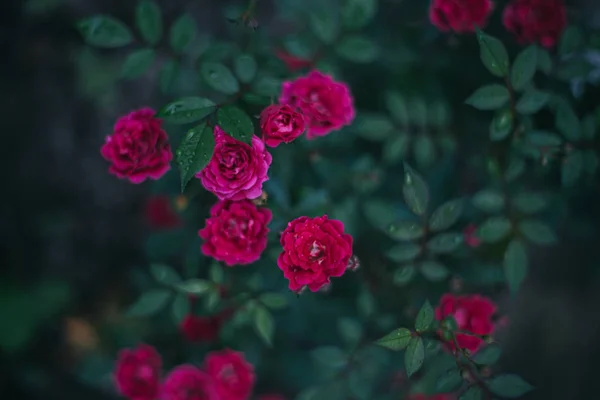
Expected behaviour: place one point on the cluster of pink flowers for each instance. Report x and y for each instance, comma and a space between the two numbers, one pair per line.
225, 375
531, 21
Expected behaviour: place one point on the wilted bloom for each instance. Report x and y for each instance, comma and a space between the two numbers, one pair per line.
235, 232
314, 250
187, 382
472, 313
326, 105
137, 372
138, 148
160, 213
233, 375
236, 170
460, 15
536, 21
280, 123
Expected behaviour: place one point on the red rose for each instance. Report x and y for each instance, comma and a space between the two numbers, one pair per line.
187, 382
137, 372
236, 170
327, 105
459, 15
472, 314
533, 21
234, 376
470, 237
314, 249
138, 148
292, 62
160, 214
280, 123
236, 232
200, 329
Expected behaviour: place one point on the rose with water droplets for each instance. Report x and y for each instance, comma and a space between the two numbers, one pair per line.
536, 21
187, 382
139, 148
137, 372
314, 250
280, 124
233, 375
459, 15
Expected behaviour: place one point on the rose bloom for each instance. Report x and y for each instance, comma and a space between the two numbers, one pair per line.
459, 15
235, 232
473, 313
200, 329
314, 249
280, 123
186, 382
531, 21
138, 148
137, 372
236, 170
470, 237
233, 375
160, 214
327, 105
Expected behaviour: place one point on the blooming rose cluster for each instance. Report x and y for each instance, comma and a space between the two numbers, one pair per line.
225, 375
531, 21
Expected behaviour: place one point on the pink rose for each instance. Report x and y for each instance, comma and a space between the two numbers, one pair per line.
533, 21
280, 123
473, 313
327, 105
160, 214
314, 250
459, 15
137, 372
236, 170
138, 148
234, 376
186, 382
235, 232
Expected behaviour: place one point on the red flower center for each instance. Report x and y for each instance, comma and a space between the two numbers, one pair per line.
316, 251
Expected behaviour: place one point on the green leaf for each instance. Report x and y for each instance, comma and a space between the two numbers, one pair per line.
183, 33
403, 252
245, 67
425, 317
515, 264
406, 231
137, 63
395, 340
236, 123
379, 213
529, 203
180, 307
524, 68
168, 75
330, 356
274, 301
532, 101
544, 61
489, 97
444, 243
449, 381
325, 26
373, 126
404, 275
397, 107
164, 274
194, 152
366, 304
358, 49
573, 68
414, 356
424, 150
358, 13
567, 122
148, 20
494, 229
194, 286
489, 200
219, 77
572, 168
149, 302
446, 215
571, 41
264, 325
350, 330
395, 148
433, 271
543, 138
472, 393
213, 296
267, 86
216, 273
104, 31
187, 110
509, 386
493, 54
501, 125
489, 355
537, 232
416, 194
